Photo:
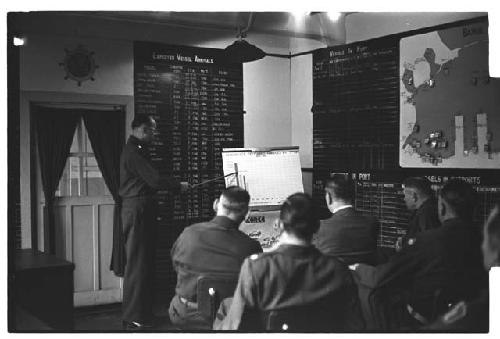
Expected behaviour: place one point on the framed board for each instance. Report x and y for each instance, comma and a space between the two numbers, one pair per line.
449, 105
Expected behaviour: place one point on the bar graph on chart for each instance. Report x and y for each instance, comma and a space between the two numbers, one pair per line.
270, 175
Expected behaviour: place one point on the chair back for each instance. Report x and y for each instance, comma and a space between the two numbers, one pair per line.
211, 290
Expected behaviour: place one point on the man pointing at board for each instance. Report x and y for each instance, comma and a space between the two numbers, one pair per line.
139, 181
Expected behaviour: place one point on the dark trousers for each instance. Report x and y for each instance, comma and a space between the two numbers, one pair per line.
140, 230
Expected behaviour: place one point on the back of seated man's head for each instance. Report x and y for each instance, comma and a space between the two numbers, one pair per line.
457, 198
233, 203
491, 239
416, 191
298, 216
339, 188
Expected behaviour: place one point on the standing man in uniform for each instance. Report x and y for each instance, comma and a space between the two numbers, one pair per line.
295, 275
214, 248
419, 198
439, 267
139, 181
347, 234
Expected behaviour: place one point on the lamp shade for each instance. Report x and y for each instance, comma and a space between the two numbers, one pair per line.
242, 51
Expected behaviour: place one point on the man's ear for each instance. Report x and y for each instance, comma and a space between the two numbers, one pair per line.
281, 226
215, 205
414, 196
328, 197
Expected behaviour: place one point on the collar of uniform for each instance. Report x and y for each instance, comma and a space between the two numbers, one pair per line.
341, 208
133, 140
225, 222
295, 249
426, 205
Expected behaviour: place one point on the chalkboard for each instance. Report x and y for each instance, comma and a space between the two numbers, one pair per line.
356, 125
270, 175
196, 98
356, 105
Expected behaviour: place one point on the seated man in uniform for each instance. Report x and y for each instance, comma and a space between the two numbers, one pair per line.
209, 248
295, 274
419, 198
347, 234
439, 266
473, 315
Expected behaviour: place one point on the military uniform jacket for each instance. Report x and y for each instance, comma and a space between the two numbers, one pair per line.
291, 276
470, 316
138, 176
349, 236
215, 247
447, 258
423, 219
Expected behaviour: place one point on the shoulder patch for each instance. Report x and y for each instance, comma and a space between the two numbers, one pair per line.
456, 313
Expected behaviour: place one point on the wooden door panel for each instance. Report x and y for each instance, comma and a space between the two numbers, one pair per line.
82, 222
60, 228
107, 278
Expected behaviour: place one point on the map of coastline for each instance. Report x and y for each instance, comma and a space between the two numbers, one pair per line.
449, 106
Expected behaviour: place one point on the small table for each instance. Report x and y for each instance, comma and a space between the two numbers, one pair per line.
43, 286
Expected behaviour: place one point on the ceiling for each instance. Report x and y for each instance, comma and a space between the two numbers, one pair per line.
275, 29
310, 26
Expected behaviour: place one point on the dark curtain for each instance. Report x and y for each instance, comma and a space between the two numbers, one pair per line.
106, 131
54, 130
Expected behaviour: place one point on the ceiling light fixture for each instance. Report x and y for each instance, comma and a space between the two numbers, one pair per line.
334, 16
241, 50
18, 41
300, 15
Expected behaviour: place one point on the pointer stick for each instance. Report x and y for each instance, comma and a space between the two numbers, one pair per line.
214, 179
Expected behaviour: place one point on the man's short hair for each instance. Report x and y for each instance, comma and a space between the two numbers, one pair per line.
420, 184
492, 227
298, 216
340, 185
235, 200
141, 119
460, 196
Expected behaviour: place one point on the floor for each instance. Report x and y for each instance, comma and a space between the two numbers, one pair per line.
104, 318
107, 318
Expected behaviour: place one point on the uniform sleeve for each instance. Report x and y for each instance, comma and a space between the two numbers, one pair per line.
400, 266
145, 170
353, 316
243, 298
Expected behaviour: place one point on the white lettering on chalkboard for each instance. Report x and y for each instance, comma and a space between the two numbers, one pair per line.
203, 60
334, 53
162, 56
184, 58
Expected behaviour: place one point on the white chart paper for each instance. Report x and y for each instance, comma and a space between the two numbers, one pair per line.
270, 175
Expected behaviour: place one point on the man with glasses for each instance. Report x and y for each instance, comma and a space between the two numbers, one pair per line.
139, 181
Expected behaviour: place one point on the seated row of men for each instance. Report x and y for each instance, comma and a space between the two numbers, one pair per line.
332, 265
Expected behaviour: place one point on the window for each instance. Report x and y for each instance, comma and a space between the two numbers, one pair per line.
81, 176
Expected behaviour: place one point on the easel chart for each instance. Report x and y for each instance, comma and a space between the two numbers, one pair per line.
270, 175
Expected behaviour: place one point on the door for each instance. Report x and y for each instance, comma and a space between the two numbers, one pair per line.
83, 210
